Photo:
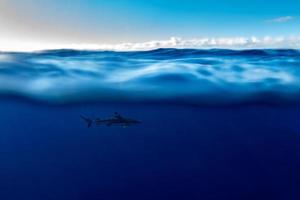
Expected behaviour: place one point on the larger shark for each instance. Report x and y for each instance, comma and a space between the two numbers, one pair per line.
117, 119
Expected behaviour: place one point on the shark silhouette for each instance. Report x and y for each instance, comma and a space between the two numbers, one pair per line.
117, 119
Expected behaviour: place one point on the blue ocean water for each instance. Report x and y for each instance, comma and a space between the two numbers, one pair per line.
216, 124
164, 75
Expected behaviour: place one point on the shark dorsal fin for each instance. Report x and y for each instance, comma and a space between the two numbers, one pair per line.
117, 115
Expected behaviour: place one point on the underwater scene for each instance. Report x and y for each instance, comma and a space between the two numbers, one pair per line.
160, 124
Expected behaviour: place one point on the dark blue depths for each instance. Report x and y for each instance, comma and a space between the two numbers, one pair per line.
178, 152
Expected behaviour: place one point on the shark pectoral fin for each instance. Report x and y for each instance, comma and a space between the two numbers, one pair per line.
88, 121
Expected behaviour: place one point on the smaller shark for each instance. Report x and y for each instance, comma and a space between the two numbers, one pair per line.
117, 119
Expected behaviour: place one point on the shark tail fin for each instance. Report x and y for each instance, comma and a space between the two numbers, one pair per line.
87, 120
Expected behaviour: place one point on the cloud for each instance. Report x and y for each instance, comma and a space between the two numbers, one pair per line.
231, 43
173, 42
281, 19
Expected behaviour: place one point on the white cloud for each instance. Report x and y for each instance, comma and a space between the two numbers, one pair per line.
281, 19
173, 42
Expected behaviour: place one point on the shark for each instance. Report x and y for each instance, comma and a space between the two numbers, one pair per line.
116, 119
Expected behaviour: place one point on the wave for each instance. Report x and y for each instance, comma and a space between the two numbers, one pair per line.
216, 76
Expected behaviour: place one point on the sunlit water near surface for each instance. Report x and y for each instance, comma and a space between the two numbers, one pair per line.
216, 124
183, 75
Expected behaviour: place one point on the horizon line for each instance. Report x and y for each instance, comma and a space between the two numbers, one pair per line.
234, 43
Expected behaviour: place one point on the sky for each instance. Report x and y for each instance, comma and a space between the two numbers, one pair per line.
25, 23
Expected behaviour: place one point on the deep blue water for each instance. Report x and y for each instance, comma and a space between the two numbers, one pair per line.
217, 124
